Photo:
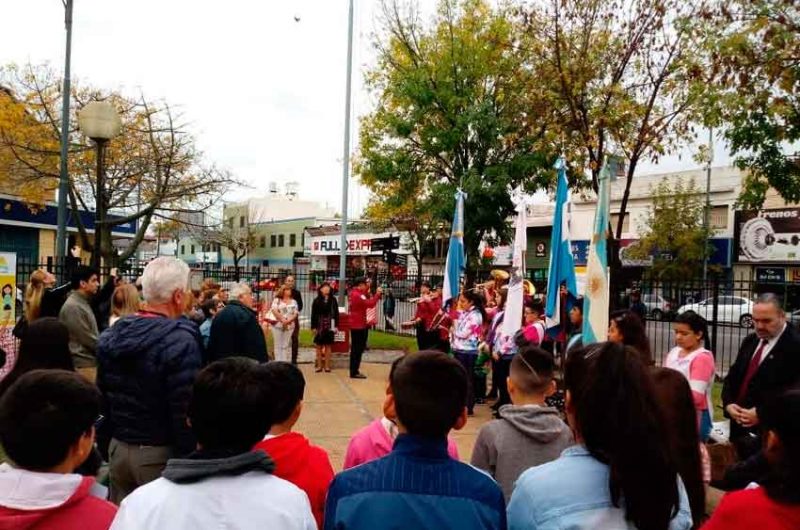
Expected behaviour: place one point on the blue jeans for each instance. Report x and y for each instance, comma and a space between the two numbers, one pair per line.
467, 360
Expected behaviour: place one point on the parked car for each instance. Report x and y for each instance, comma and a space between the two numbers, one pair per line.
730, 309
658, 307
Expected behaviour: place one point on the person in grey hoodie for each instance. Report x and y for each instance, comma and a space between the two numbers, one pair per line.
528, 432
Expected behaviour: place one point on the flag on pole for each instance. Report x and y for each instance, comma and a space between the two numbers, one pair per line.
562, 265
512, 319
595, 303
456, 260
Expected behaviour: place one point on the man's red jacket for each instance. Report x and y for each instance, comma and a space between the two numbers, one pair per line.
359, 303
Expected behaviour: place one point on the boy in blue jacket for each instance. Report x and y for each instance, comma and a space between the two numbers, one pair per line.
418, 485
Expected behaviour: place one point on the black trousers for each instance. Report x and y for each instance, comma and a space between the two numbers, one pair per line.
358, 343
503, 367
467, 360
495, 385
426, 340
295, 341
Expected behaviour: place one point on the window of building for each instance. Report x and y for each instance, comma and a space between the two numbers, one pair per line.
263, 242
273, 241
626, 223
192, 247
241, 222
292, 240
718, 218
230, 222
280, 240
183, 249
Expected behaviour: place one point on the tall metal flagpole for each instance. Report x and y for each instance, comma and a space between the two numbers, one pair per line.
63, 182
346, 158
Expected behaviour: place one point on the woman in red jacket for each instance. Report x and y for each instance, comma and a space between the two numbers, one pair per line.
775, 504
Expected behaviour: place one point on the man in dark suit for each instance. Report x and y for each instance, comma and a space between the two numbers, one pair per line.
768, 362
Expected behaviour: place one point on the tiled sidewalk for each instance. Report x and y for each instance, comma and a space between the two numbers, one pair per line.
336, 406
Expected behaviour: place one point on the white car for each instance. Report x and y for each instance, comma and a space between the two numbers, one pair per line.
730, 309
657, 306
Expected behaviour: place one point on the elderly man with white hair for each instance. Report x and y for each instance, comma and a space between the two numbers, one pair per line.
147, 363
235, 331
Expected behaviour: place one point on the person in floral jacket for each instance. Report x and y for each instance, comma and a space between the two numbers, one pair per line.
466, 336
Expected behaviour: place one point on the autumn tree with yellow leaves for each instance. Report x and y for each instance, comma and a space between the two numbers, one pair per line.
153, 168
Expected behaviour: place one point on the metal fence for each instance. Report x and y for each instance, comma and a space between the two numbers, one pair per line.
726, 304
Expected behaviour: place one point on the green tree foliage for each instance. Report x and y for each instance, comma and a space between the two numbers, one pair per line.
753, 91
674, 234
453, 110
616, 78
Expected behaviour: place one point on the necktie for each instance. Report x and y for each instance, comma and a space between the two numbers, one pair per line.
752, 368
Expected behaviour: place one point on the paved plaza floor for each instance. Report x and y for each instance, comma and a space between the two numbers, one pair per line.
336, 406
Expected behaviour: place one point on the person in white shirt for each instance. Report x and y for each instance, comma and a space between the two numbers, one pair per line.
224, 484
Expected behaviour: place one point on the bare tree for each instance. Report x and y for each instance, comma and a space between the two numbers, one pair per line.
153, 168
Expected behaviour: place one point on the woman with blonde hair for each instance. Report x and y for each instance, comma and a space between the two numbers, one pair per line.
41, 299
285, 311
124, 302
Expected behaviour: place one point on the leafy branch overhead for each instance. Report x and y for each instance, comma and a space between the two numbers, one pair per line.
753, 91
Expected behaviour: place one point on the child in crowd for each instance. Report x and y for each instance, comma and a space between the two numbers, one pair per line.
47, 420
224, 483
533, 330
377, 438
528, 432
296, 460
418, 485
210, 308
691, 358
775, 504
620, 474
690, 456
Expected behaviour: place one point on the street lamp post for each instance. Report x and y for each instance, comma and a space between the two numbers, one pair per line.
99, 121
63, 181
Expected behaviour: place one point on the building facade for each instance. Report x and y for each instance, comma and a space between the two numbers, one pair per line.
30, 230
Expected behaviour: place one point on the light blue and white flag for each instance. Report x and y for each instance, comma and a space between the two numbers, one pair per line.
512, 319
562, 265
595, 301
456, 259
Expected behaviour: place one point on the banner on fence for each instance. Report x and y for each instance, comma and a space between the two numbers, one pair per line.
8, 281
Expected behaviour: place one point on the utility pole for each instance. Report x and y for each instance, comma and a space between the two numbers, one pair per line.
707, 211
346, 157
63, 182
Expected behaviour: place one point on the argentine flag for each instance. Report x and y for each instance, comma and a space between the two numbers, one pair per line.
595, 301
562, 266
512, 321
456, 260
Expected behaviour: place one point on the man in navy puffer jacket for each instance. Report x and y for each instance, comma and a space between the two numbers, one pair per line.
147, 363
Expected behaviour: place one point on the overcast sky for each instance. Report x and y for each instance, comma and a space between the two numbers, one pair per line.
264, 93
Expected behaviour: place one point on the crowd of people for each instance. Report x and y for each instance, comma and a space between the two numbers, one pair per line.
177, 393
